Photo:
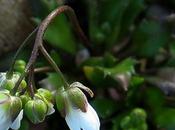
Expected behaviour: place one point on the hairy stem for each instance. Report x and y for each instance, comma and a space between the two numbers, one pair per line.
54, 65
39, 39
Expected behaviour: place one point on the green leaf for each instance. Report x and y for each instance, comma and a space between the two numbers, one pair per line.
166, 119
60, 35
107, 60
131, 13
56, 57
55, 80
149, 38
154, 98
101, 13
103, 77
97, 77
105, 107
124, 66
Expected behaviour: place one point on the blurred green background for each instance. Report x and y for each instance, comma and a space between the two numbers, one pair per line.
130, 64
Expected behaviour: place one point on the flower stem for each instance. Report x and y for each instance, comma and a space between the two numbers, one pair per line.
14, 90
39, 40
25, 42
54, 65
30, 82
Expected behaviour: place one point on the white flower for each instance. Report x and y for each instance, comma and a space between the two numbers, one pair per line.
73, 105
2, 78
11, 113
78, 120
17, 122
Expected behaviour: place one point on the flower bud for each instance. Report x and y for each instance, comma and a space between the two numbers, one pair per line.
35, 110
73, 105
77, 98
60, 101
47, 97
138, 115
10, 83
19, 66
16, 106
46, 94
11, 111
24, 98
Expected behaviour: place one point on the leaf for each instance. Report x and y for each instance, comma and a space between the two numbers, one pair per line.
165, 118
149, 37
104, 107
56, 57
126, 65
107, 60
55, 80
60, 35
130, 15
104, 27
97, 77
154, 98
101, 76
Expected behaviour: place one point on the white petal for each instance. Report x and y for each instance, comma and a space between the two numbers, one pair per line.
51, 109
4, 118
17, 122
2, 78
72, 120
77, 120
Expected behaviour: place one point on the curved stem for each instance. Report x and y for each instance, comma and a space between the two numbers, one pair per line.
54, 65
39, 38
25, 42
70, 13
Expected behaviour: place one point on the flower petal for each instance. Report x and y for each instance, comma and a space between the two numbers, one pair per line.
77, 120
17, 122
2, 78
5, 118
72, 120
89, 120
51, 109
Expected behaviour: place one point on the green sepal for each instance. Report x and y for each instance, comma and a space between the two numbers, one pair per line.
77, 98
60, 101
35, 110
15, 108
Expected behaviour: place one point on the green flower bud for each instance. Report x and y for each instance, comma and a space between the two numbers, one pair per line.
16, 106
25, 98
19, 66
11, 111
10, 83
35, 110
77, 98
138, 115
46, 94
72, 96
50, 109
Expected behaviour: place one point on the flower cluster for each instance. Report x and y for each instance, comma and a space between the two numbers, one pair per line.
71, 102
